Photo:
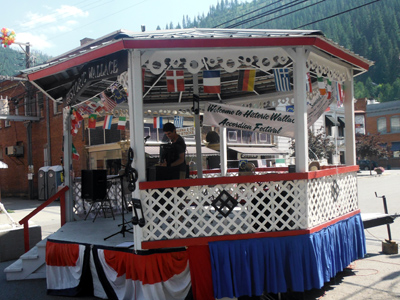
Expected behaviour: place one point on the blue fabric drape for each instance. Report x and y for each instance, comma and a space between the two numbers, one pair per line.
299, 263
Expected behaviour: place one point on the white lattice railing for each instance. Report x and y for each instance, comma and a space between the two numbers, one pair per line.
264, 203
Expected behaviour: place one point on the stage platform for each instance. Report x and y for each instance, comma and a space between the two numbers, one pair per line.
95, 233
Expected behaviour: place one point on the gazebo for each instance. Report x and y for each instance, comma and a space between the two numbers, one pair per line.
223, 235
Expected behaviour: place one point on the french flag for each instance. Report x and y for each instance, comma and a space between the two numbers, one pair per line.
107, 121
212, 82
157, 122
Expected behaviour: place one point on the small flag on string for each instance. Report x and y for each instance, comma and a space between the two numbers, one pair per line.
75, 154
175, 81
157, 122
77, 115
282, 80
290, 108
117, 95
308, 83
121, 123
246, 80
92, 121
329, 88
212, 82
321, 86
339, 94
109, 104
178, 121
107, 121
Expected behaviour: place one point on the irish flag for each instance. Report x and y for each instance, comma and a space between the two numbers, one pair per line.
321, 86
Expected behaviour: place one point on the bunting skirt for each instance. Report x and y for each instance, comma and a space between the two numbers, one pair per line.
220, 269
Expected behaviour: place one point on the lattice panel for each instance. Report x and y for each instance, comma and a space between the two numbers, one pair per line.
188, 212
81, 207
331, 197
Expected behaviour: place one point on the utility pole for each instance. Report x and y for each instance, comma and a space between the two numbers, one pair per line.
28, 125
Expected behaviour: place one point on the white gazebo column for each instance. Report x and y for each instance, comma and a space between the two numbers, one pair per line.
350, 134
223, 150
299, 56
197, 126
69, 213
135, 102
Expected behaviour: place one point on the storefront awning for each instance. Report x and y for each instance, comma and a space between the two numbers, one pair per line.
154, 151
341, 121
330, 121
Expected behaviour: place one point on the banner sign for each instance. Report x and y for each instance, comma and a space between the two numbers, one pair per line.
260, 120
185, 131
106, 67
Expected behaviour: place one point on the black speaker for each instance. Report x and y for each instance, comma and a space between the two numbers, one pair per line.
94, 184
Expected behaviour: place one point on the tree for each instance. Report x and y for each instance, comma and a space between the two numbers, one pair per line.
319, 145
370, 147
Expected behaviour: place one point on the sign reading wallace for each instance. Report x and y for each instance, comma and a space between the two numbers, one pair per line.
108, 66
267, 121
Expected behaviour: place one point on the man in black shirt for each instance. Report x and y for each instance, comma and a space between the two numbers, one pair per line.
177, 161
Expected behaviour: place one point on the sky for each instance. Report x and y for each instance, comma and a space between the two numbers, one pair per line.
55, 27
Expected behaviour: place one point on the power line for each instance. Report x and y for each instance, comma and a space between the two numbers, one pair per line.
284, 15
248, 13
338, 14
275, 10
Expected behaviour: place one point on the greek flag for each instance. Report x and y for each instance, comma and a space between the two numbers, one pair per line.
282, 80
178, 121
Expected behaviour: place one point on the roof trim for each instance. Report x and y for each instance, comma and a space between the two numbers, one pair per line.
130, 43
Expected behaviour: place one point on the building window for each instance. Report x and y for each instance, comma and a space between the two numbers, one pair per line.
264, 138
232, 136
57, 107
7, 123
395, 124
381, 123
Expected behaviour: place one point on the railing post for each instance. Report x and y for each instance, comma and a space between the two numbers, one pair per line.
26, 236
62, 209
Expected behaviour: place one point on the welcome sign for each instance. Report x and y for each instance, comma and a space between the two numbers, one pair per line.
260, 120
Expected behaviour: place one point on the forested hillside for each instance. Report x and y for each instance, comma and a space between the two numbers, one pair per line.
370, 28
12, 61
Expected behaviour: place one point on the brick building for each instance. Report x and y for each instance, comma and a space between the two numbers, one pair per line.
373, 117
31, 136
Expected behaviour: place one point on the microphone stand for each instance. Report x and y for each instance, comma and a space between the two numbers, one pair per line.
123, 224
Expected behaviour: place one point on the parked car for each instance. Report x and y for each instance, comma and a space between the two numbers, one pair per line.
367, 164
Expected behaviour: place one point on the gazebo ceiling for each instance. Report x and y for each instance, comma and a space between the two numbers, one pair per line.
192, 51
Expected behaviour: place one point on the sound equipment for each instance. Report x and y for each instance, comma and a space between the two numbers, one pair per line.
94, 184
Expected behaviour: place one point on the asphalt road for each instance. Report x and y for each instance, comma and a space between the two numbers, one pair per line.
377, 276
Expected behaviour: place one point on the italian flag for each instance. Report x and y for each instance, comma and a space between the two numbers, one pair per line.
121, 123
75, 154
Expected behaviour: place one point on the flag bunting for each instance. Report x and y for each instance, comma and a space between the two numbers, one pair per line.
282, 80
246, 80
212, 82
175, 81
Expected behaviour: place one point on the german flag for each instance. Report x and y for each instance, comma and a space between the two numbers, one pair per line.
246, 80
